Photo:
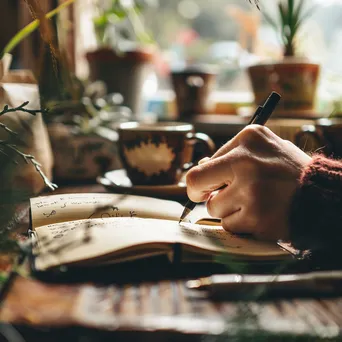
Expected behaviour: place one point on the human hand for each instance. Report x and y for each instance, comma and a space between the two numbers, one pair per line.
261, 172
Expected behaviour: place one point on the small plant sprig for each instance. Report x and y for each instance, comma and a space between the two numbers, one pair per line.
8, 144
22, 108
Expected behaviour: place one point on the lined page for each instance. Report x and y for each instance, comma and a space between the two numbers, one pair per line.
216, 239
62, 208
69, 242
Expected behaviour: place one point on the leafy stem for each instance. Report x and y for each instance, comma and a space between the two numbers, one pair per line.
22, 108
28, 158
3, 126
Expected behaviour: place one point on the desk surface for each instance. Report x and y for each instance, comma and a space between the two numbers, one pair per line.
158, 306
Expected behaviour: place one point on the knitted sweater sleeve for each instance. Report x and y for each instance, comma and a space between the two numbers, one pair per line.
316, 214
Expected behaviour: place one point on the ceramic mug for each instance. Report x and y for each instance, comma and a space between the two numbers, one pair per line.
325, 135
192, 87
159, 153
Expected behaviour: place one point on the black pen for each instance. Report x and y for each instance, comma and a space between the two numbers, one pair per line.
260, 117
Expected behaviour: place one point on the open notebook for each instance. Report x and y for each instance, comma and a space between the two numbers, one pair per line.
93, 229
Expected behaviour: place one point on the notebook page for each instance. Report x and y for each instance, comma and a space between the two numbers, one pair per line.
216, 239
69, 242
68, 207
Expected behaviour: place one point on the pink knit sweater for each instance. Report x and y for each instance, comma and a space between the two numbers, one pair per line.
316, 214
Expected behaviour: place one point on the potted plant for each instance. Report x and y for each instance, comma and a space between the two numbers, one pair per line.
83, 134
25, 151
15, 87
125, 50
294, 77
79, 117
22, 130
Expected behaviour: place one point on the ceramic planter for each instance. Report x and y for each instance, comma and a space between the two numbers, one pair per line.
17, 87
193, 87
124, 74
80, 157
296, 80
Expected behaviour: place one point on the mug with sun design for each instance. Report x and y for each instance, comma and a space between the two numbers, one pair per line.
160, 153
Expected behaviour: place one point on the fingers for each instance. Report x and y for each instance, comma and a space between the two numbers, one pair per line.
252, 202
212, 173
236, 223
207, 177
227, 147
224, 202
247, 136
228, 205
204, 160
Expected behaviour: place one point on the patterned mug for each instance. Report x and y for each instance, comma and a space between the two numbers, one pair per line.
160, 153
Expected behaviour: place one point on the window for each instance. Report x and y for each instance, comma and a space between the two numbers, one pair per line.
233, 34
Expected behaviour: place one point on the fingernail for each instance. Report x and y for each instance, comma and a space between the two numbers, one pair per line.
204, 160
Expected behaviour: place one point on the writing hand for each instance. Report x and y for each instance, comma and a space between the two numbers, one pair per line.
261, 172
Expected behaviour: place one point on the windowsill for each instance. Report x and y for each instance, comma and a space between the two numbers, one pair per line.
225, 102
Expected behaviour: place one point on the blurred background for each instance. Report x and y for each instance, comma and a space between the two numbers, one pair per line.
231, 34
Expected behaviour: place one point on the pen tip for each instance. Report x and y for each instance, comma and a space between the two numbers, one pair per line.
185, 213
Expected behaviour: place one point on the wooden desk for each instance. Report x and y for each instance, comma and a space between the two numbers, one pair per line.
161, 308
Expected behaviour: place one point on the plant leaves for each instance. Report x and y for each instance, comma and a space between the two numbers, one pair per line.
28, 29
271, 21
284, 23
100, 21
283, 16
290, 12
307, 14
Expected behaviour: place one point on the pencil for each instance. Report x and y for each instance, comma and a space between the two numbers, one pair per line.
225, 286
260, 117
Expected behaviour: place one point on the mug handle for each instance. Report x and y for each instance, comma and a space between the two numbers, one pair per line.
205, 141
310, 132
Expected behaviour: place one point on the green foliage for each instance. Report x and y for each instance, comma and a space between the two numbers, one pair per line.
291, 16
28, 29
108, 19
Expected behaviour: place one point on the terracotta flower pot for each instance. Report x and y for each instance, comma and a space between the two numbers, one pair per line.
124, 74
296, 80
